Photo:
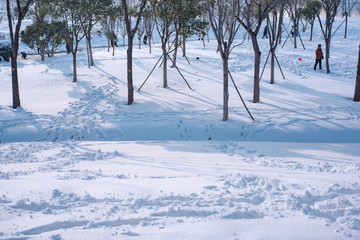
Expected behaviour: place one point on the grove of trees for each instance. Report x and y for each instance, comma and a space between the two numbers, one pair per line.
60, 22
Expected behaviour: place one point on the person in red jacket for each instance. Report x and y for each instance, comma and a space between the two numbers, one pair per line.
319, 55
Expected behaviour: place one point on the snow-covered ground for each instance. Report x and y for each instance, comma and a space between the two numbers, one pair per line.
77, 163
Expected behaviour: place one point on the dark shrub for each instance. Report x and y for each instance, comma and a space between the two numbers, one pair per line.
5, 51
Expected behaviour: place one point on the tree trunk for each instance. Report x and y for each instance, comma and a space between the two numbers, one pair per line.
124, 40
184, 47
311, 31
149, 43
257, 53
225, 88
357, 85
346, 23
15, 80
129, 72
280, 31
327, 55
108, 44
176, 48
165, 84
272, 73
88, 38
42, 50
174, 57
15, 48
203, 39
74, 67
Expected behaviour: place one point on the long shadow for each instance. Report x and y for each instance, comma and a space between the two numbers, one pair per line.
61, 62
109, 75
25, 127
208, 101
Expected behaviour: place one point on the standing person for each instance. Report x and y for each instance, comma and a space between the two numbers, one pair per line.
318, 56
113, 39
265, 32
145, 40
68, 48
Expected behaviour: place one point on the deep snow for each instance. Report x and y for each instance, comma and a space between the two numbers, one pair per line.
77, 163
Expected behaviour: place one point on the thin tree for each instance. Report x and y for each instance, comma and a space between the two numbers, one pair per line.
190, 22
149, 23
251, 15
121, 26
38, 12
131, 32
141, 31
346, 14
347, 8
274, 23
294, 9
205, 19
185, 23
195, 26
91, 13
310, 12
21, 10
112, 14
330, 7
69, 11
2, 13
357, 85
178, 24
219, 12
164, 14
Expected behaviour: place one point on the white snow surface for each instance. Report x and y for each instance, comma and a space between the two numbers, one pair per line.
76, 162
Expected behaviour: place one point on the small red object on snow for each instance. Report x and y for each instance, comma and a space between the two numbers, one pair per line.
300, 59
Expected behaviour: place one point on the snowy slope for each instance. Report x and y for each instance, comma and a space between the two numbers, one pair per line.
77, 163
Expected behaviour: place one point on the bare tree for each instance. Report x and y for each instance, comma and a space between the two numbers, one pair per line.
220, 12
294, 10
70, 12
91, 13
21, 10
141, 31
121, 26
207, 27
274, 23
346, 12
131, 31
251, 15
357, 85
109, 21
330, 7
2, 10
164, 13
149, 23
347, 7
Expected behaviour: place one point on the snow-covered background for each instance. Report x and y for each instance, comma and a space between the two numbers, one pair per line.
77, 163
